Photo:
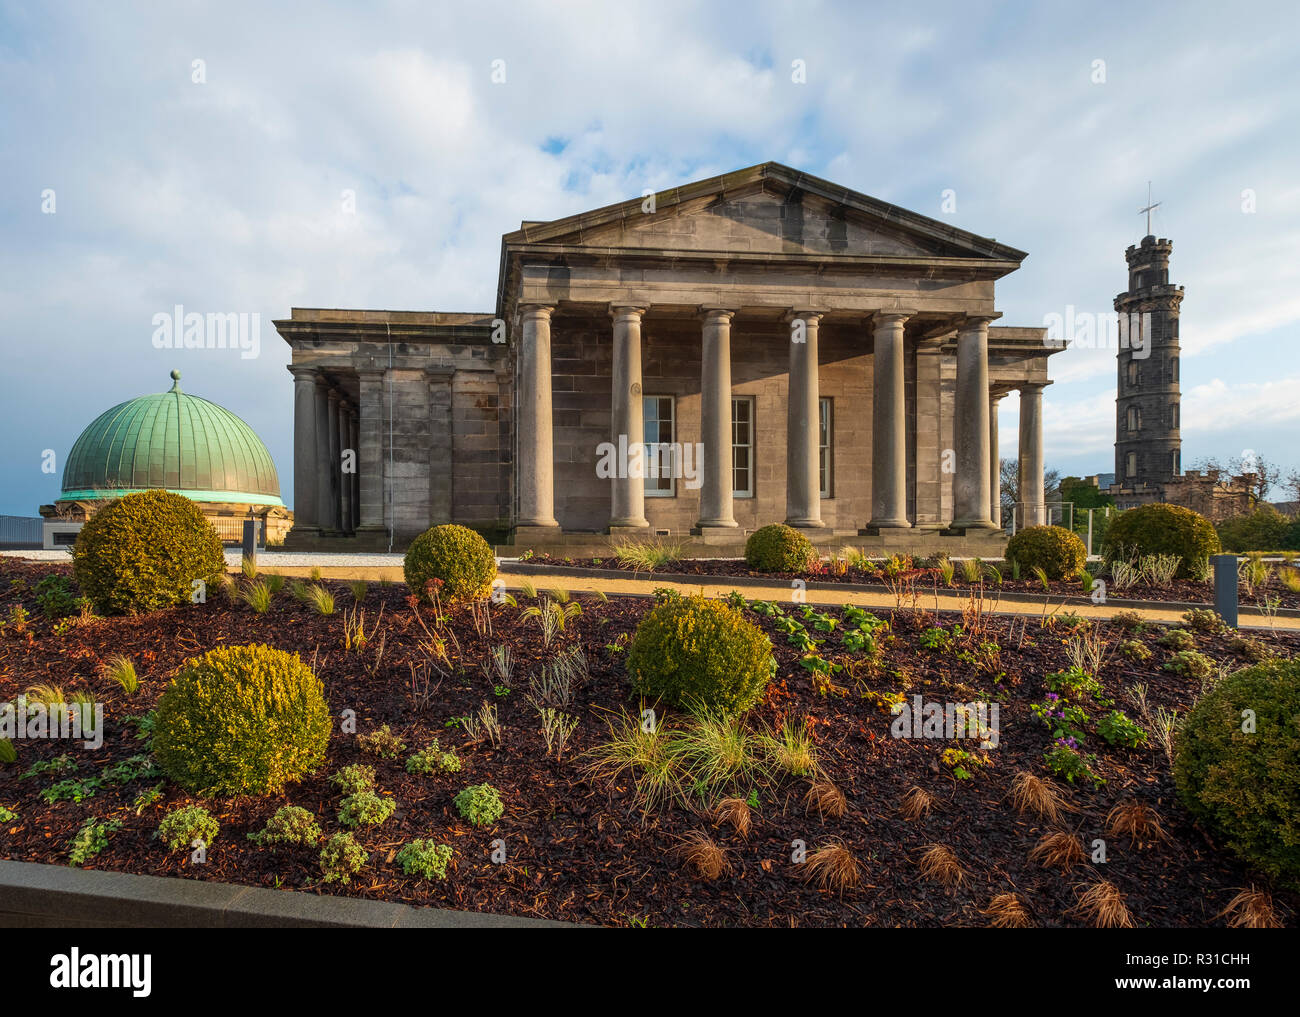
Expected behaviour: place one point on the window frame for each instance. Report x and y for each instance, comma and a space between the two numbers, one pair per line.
750, 446
651, 490
826, 450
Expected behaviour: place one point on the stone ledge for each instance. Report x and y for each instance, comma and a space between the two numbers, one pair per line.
55, 896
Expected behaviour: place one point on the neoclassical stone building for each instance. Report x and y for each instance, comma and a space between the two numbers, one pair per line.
759, 347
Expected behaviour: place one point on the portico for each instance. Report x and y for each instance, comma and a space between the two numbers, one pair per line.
762, 347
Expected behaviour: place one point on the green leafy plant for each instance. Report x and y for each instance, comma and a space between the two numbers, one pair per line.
1234, 766
1177, 639
180, 828
291, 824
365, 808
342, 858
1191, 663
1204, 619
424, 858
480, 804
461, 562
1162, 529
1118, 729
779, 548
7, 815
242, 720
355, 777
55, 597
72, 790
91, 839
145, 551
700, 652
1134, 649
382, 742
433, 760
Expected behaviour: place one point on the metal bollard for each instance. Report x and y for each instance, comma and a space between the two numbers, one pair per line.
1225, 586
250, 539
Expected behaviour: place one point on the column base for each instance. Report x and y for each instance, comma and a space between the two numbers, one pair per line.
817, 532
531, 531
874, 528
633, 528
960, 527
705, 525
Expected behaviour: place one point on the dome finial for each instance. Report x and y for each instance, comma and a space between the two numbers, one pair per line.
176, 380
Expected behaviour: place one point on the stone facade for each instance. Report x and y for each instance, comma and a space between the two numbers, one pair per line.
813, 355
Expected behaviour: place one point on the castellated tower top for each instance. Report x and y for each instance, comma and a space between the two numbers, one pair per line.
1148, 263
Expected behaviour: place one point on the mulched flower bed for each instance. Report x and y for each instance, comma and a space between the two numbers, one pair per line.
582, 849
1182, 591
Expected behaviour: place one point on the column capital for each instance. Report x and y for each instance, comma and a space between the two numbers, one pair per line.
717, 312
536, 310
890, 316
1031, 386
973, 322
808, 315
302, 371
334, 395
627, 310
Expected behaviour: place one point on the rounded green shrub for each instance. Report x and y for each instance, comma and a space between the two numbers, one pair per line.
241, 720
1162, 529
700, 653
779, 548
144, 551
1245, 784
1054, 549
457, 557
1265, 529
180, 828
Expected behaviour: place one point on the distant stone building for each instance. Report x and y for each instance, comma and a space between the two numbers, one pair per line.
758, 347
178, 442
1148, 437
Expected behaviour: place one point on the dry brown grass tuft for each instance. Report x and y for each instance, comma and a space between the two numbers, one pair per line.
827, 799
736, 813
1251, 909
1133, 819
1058, 851
916, 804
1030, 793
1007, 911
1103, 906
702, 857
940, 864
831, 867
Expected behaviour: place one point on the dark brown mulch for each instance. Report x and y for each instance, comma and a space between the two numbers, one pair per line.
1183, 591
579, 849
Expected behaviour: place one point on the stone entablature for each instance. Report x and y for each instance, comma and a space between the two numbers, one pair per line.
832, 357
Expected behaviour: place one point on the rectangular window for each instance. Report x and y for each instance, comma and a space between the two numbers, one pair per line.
1131, 464
659, 427
824, 432
742, 447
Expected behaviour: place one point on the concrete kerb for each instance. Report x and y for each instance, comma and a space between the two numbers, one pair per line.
54, 896
618, 583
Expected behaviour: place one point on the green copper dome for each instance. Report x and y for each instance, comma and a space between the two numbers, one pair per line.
174, 441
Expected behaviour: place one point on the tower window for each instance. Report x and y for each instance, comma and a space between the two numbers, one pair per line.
1173, 370
1134, 374
1131, 464
1134, 418
1173, 463
1173, 417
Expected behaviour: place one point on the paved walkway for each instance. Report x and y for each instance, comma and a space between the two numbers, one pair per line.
376, 567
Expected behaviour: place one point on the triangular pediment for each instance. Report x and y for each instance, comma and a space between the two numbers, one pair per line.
768, 209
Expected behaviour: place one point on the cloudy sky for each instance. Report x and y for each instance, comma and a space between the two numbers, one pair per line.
227, 193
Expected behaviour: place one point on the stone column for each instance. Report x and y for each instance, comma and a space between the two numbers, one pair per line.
971, 497
336, 460
354, 481
536, 467
325, 499
889, 423
995, 464
373, 433
715, 419
1031, 454
345, 479
305, 506
803, 503
627, 493
442, 440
